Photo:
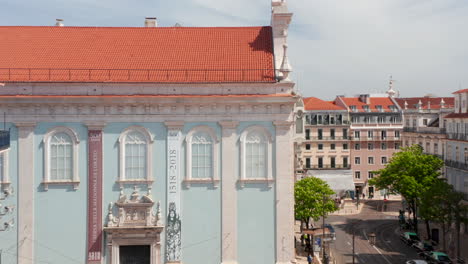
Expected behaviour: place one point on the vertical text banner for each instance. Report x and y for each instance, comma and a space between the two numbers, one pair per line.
94, 196
173, 225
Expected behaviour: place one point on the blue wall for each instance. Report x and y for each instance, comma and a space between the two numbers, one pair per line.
60, 213
256, 214
8, 238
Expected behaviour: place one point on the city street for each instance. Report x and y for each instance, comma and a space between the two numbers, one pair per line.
389, 248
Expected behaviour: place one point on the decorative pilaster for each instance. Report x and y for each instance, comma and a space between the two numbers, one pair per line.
228, 192
26, 192
94, 246
174, 223
284, 193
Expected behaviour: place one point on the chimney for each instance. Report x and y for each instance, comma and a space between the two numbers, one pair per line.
151, 22
365, 98
59, 22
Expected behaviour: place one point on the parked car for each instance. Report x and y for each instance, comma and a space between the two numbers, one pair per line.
423, 246
416, 261
409, 238
436, 257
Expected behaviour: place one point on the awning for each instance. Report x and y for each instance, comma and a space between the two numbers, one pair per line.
339, 180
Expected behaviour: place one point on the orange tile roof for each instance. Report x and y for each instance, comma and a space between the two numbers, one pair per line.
434, 102
461, 91
313, 103
385, 102
457, 115
134, 54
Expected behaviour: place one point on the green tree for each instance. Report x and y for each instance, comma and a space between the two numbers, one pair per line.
410, 173
460, 214
312, 199
435, 206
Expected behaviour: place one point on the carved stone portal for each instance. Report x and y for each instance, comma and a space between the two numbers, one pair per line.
136, 223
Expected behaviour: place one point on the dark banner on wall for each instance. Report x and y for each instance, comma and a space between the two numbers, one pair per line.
94, 196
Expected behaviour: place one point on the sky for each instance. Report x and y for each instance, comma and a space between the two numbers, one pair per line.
336, 47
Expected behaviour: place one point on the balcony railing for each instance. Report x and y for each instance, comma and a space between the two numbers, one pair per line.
136, 75
336, 123
330, 138
458, 136
425, 130
4, 139
456, 164
376, 138
328, 167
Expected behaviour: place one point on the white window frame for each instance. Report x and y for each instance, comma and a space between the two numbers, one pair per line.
122, 180
75, 180
269, 166
5, 180
188, 181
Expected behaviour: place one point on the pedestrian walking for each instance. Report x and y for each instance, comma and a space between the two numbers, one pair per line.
309, 259
363, 196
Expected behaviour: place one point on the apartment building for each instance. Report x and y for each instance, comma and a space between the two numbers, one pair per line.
456, 156
375, 129
425, 123
325, 150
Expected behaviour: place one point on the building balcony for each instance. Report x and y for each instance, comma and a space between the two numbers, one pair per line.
376, 139
425, 130
456, 164
335, 138
458, 136
336, 123
328, 167
4, 139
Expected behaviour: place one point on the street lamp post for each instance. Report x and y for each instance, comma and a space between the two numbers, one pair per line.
354, 231
323, 228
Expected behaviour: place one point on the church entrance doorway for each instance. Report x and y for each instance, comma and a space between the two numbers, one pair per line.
137, 254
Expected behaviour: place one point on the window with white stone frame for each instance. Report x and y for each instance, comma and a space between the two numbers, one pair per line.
4, 174
256, 156
135, 156
202, 147
61, 158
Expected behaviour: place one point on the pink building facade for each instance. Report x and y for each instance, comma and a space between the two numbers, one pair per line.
375, 130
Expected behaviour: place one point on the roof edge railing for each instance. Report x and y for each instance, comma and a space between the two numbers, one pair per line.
136, 75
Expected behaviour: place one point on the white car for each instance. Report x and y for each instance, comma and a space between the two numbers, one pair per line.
416, 261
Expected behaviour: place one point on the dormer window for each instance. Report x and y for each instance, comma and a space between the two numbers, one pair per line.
353, 108
379, 108
392, 108
366, 108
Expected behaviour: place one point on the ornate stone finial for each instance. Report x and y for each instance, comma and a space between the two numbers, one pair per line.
406, 105
134, 196
391, 92
111, 221
285, 68
419, 104
442, 103
428, 105
149, 192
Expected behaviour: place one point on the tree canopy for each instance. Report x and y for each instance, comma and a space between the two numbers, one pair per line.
410, 173
312, 199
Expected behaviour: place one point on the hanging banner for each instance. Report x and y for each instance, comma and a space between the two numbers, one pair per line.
173, 225
94, 197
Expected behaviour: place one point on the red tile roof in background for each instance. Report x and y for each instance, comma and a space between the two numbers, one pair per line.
457, 115
434, 101
461, 91
313, 103
133, 54
385, 102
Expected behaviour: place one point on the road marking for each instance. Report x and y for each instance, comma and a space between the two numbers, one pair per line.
382, 255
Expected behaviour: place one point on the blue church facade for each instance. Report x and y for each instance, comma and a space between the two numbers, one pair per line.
190, 171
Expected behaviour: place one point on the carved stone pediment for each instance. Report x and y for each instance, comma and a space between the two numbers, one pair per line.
134, 211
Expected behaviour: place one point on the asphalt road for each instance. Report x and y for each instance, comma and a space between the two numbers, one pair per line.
388, 249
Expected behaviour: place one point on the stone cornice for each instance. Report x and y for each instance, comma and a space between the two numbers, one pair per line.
283, 125
225, 124
95, 125
25, 124
174, 125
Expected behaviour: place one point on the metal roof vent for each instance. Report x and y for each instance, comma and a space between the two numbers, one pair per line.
59, 22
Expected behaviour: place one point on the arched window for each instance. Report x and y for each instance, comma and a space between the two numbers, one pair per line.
61, 157
202, 156
135, 156
256, 156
